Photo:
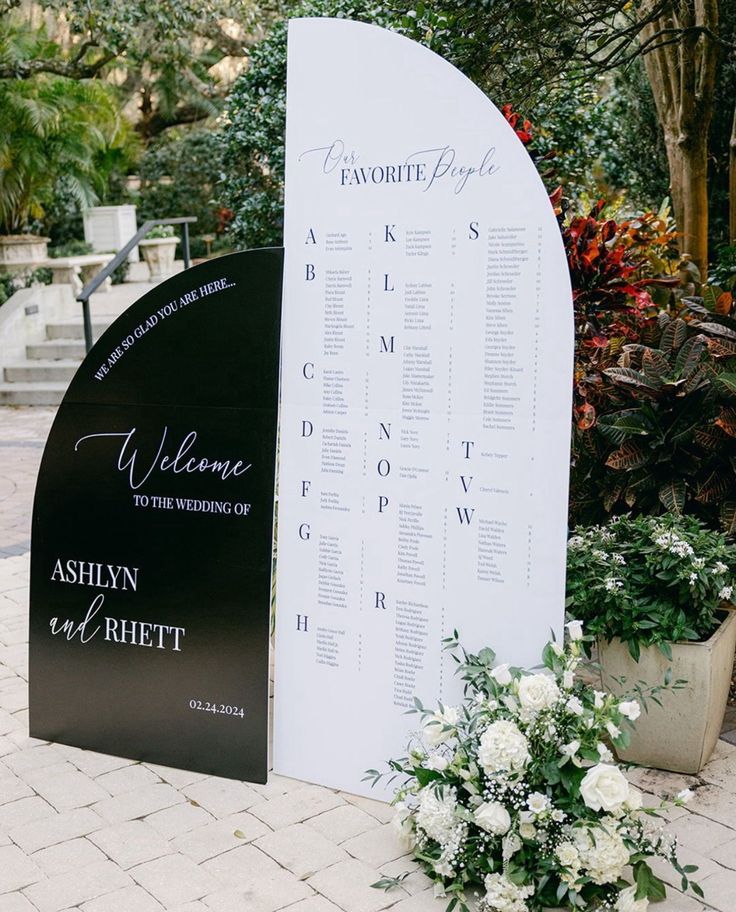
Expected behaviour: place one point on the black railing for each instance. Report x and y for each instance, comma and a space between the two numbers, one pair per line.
91, 287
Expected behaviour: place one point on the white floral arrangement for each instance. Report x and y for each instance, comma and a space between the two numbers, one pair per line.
512, 801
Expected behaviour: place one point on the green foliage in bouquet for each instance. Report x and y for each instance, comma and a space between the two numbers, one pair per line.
513, 799
649, 580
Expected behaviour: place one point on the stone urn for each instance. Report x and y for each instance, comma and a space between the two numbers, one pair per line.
22, 253
159, 254
681, 734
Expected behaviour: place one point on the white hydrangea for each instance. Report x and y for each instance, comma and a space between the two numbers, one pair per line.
503, 748
603, 854
436, 813
536, 693
504, 896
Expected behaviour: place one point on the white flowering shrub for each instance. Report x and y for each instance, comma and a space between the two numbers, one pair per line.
652, 580
512, 801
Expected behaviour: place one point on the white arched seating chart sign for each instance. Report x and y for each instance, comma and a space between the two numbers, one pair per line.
425, 397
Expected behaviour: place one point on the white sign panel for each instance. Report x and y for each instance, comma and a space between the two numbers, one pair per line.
426, 395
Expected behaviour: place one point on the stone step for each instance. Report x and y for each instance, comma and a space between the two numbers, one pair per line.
56, 350
38, 371
73, 329
32, 393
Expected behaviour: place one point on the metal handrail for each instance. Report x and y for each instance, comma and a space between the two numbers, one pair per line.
91, 287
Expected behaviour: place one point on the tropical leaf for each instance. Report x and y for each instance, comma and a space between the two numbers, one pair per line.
721, 348
638, 485
718, 329
630, 455
728, 517
710, 438
611, 496
726, 383
655, 366
626, 376
672, 495
715, 487
690, 355
710, 298
674, 335
618, 426
704, 376
726, 421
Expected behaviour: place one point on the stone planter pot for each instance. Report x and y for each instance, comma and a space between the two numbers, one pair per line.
20, 253
159, 254
682, 733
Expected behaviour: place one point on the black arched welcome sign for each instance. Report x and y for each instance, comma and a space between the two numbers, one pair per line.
152, 529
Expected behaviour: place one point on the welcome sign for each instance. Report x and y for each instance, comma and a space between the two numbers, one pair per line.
427, 379
152, 529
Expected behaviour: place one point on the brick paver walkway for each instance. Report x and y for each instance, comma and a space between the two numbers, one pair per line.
85, 831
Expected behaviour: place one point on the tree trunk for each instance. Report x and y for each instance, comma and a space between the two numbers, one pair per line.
732, 183
682, 77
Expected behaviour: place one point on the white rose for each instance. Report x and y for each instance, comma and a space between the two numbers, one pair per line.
527, 830
627, 901
604, 788
439, 764
503, 748
493, 817
567, 855
537, 692
501, 674
439, 727
635, 800
574, 706
630, 709
575, 629
403, 827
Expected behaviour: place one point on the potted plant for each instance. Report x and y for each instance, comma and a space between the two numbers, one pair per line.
51, 130
511, 801
656, 590
159, 249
